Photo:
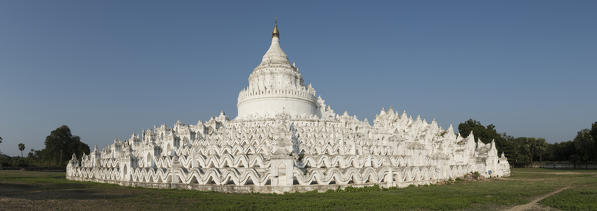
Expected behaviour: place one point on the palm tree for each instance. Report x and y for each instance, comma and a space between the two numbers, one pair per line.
21, 147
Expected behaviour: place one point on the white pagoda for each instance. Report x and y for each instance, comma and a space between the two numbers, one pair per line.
285, 139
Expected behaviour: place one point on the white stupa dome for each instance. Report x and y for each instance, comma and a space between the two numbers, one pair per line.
276, 86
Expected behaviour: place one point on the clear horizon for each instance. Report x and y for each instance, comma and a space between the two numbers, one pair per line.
108, 69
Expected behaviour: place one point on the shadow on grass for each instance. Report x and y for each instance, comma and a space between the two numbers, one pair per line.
56, 192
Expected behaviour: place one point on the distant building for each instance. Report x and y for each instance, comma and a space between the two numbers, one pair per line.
285, 138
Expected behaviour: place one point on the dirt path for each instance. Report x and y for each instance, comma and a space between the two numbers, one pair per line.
533, 205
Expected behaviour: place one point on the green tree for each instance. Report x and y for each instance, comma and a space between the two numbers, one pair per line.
31, 154
560, 151
61, 144
593, 131
594, 135
521, 154
21, 148
484, 133
538, 147
524, 151
585, 146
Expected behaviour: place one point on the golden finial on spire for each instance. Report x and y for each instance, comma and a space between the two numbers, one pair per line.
276, 33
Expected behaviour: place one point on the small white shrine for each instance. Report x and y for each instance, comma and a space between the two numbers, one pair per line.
285, 139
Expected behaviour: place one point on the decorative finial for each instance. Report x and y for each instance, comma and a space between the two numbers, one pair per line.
276, 33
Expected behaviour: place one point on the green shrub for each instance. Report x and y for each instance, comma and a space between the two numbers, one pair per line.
476, 175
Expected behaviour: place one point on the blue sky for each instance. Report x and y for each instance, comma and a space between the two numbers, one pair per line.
110, 68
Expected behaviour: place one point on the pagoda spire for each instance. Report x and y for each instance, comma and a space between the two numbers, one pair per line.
275, 32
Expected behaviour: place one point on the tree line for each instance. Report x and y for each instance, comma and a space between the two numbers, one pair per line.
60, 145
525, 151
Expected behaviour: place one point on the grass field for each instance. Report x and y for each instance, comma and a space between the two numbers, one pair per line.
50, 190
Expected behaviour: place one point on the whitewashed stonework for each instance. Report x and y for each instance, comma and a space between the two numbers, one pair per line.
276, 86
285, 138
